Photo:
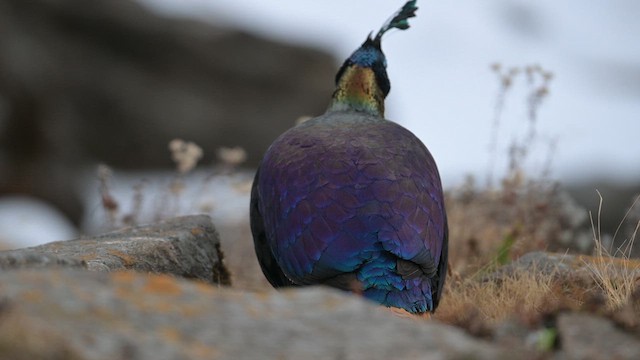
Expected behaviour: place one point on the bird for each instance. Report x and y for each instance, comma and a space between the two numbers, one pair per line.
352, 200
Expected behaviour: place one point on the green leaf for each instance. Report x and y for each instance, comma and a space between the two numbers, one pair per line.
547, 339
504, 251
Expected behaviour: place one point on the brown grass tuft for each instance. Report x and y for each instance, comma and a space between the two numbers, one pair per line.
615, 272
480, 304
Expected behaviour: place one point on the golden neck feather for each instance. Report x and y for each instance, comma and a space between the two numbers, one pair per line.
358, 90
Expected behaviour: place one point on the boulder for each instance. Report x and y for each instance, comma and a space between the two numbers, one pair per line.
585, 337
186, 246
74, 314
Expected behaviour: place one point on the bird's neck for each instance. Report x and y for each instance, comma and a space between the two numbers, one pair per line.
357, 90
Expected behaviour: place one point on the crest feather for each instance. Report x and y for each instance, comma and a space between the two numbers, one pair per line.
400, 20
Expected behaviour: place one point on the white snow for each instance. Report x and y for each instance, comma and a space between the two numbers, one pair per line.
26, 221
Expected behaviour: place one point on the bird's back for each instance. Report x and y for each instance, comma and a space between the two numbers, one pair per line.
354, 201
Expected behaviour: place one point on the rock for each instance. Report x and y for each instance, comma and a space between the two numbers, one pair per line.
186, 246
584, 336
19, 259
569, 268
94, 315
113, 82
543, 262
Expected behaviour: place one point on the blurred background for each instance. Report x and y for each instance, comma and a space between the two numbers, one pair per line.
553, 86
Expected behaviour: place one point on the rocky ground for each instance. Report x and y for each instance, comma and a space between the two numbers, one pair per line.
163, 291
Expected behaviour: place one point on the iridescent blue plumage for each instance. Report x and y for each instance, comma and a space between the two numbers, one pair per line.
352, 200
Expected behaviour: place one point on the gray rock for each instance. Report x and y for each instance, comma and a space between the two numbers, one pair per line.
186, 246
27, 258
127, 315
584, 337
543, 262
111, 81
568, 268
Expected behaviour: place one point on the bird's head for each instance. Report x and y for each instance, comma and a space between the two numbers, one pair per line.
362, 83
367, 58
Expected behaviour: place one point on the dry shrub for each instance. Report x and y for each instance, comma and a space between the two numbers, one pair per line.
489, 228
169, 201
470, 302
493, 224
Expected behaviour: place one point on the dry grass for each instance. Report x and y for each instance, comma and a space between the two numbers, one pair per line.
490, 302
605, 283
615, 273
499, 222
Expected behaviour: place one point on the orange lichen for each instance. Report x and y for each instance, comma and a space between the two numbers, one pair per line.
170, 334
195, 349
263, 295
204, 287
200, 350
162, 284
127, 260
197, 231
89, 256
124, 276
187, 311
82, 294
123, 280
33, 295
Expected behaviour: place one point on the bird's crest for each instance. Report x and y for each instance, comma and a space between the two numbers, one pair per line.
400, 20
